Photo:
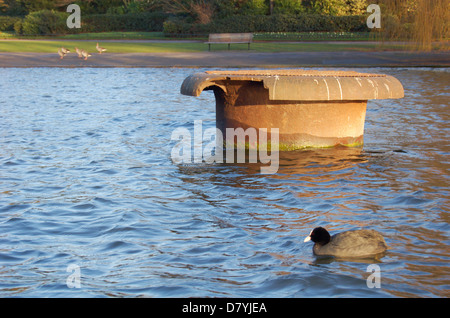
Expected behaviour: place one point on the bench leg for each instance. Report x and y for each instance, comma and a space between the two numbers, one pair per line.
249, 46
228, 45
209, 46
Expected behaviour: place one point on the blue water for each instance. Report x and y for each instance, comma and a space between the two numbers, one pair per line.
87, 180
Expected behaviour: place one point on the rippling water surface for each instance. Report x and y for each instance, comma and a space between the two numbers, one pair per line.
86, 179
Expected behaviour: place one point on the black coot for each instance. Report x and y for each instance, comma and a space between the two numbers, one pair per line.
357, 243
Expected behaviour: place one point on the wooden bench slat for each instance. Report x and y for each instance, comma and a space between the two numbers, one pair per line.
217, 38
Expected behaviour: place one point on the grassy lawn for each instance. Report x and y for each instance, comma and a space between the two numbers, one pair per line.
312, 36
129, 36
258, 36
116, 36
101, 36
268, 43
45, 46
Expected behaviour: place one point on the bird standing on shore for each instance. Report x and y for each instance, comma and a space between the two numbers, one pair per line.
62, 52
78, 52
100, 49
85, 54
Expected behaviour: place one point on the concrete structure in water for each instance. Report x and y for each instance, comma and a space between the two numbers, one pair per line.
310, 108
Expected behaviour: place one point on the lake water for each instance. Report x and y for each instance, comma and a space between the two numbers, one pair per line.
88, 190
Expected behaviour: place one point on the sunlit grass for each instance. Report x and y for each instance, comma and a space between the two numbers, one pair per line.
45, 46
51, 46
156, 42
116, 36
312, 36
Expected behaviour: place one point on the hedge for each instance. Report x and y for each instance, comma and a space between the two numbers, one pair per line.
52, 22
271, 23
7, 23
142, 21
42, 22
46, 22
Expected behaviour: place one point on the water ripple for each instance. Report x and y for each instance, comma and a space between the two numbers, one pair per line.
86, 178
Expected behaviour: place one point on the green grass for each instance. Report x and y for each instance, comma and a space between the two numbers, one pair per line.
264, 42
101, 36
46, 46
258, 36
90, 36
312, 36
51, 46
115, 36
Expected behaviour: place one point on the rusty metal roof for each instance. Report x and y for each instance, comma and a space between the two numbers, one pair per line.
302, 85
294, 72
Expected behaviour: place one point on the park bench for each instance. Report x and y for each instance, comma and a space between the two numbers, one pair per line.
216, 38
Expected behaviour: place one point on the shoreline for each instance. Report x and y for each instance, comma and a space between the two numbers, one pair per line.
224, 59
